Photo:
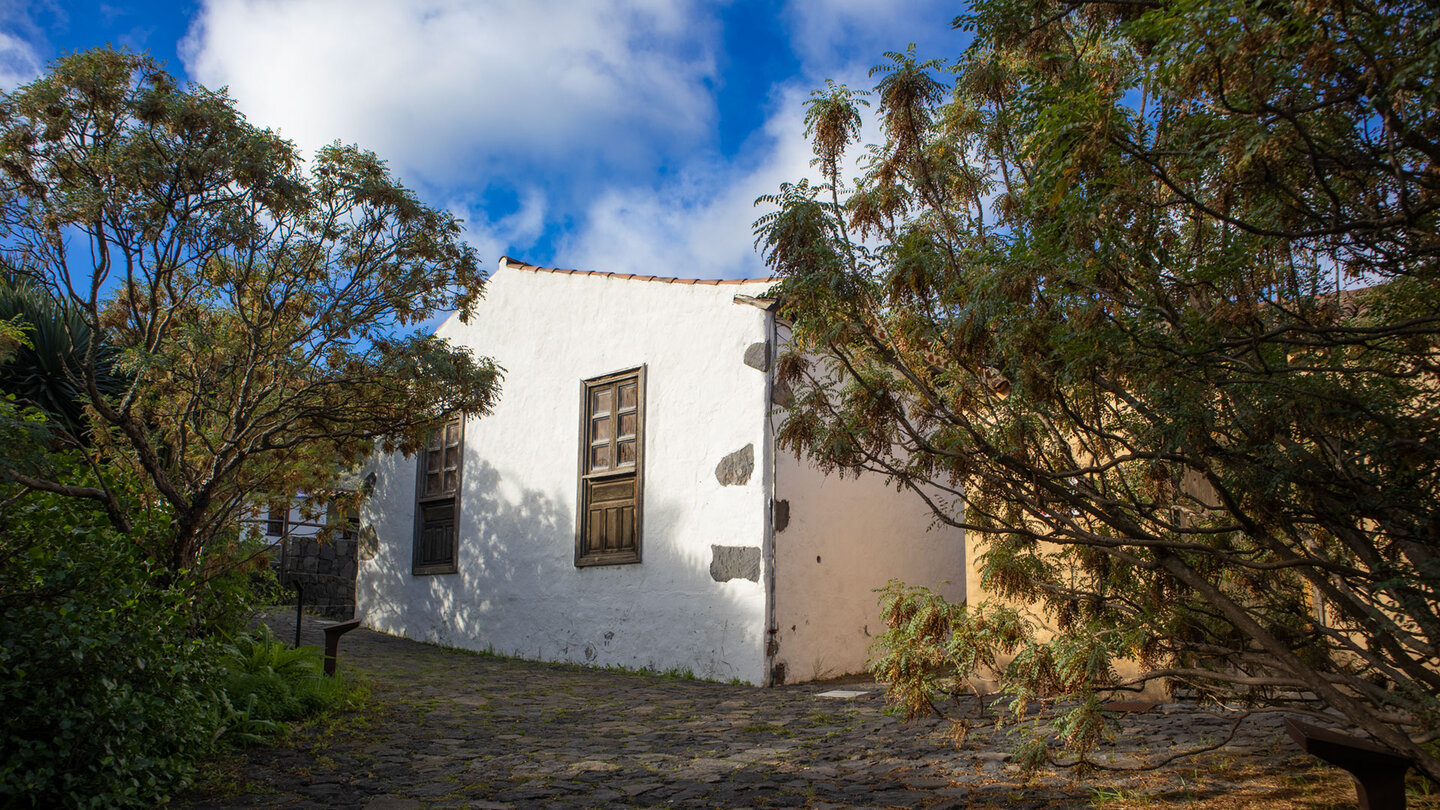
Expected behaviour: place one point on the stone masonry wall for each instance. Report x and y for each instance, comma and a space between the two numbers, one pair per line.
326, 572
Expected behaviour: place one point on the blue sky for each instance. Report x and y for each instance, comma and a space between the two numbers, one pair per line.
622, 135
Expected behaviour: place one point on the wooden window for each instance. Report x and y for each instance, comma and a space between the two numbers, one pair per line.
437, 500
275, 520
612, 448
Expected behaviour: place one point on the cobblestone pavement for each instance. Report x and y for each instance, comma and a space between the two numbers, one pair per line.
455, 729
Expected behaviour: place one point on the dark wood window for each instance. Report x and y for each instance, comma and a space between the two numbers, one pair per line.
612, 449
275, 520
437, 500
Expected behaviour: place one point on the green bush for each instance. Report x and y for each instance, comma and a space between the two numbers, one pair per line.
272, 682
107, 698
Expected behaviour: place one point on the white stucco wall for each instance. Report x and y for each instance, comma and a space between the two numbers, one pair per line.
845, 538
517, 590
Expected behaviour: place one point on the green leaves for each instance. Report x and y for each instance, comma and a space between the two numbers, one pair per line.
256, 316
104, 693
1154, 288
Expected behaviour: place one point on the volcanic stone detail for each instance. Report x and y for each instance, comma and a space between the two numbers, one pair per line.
735, 469
757, 356
782, 514
734, 562
369, 547
780, 394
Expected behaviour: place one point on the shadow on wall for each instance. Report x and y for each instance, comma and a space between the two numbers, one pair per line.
516, 565
451, 609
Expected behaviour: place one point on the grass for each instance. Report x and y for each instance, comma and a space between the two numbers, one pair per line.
225, 773
1117, 797
1227, 784
771, 729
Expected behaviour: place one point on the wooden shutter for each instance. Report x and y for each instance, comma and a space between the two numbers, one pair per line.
611, 446
437, 500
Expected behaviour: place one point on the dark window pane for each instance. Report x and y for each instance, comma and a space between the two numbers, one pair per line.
437, 535
600, 402
627, 424
600, 429
600, 458
628, 391
627, 454
275, 521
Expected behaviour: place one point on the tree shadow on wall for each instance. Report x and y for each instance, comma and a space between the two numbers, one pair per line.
517, 591
500, 543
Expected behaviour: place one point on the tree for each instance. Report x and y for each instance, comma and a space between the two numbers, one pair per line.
41, 374
1146, 301
259, 314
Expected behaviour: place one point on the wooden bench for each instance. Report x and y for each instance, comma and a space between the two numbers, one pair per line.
332, 642
1379, 773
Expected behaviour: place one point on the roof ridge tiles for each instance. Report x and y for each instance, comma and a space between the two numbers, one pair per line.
516, 264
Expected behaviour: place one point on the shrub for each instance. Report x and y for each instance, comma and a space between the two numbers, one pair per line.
271, 682
106, 697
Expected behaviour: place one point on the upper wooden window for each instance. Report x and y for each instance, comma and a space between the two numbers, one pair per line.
437, 500
275, 520
612, 446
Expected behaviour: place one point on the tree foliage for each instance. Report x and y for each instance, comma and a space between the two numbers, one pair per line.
44, 373
1143, 295
108, 699
261, 314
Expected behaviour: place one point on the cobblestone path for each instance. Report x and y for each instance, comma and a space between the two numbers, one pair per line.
454, 729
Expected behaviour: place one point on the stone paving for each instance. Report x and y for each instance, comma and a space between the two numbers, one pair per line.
453, 729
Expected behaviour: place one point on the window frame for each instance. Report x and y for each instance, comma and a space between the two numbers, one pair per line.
423, 499
632, 556
277, 520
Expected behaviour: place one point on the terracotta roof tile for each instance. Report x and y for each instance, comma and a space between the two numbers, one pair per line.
515, 264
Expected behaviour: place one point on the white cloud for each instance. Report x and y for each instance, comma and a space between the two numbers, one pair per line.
21, 44
850, 35
19, 62
440, 86
596, 119
509, 234
699, 225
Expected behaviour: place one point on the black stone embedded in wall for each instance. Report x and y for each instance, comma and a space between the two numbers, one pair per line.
782, 514
735, 469
734, 562
757, 356
780, 394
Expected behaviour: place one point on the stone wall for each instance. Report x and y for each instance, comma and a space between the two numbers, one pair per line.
326, 572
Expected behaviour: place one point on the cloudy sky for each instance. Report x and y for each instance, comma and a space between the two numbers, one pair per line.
623, 135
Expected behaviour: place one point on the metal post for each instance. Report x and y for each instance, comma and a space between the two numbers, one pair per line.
299, 609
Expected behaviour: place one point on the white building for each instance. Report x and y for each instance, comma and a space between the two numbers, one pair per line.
625, 503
